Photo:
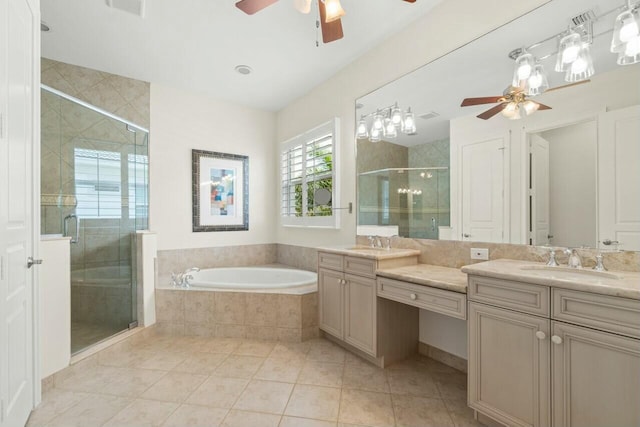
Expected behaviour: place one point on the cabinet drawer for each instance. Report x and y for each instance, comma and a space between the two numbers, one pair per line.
604, 312
330, 261
360, 266
449, 303
525, 297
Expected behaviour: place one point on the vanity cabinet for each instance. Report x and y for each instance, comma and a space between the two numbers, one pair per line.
350, 310
542, 356
347, 299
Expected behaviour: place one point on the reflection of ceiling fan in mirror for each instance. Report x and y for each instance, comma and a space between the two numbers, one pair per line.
513, 103
330, 13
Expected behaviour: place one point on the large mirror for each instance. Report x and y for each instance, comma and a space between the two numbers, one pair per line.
568, 175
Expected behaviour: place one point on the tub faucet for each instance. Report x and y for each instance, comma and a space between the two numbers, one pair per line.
574, 258
181, 280
186, 276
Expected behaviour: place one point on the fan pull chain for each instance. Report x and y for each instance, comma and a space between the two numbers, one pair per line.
317, 25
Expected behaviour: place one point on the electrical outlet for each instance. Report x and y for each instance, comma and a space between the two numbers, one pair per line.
480, 253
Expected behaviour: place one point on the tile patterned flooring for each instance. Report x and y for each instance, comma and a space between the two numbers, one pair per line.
84, 335
192, 381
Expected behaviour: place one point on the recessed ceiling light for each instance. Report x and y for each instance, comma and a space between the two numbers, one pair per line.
44, 27
243, 69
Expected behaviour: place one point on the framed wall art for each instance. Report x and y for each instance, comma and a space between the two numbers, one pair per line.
220, 186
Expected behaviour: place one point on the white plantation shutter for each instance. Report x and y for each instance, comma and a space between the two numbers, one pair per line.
309, 162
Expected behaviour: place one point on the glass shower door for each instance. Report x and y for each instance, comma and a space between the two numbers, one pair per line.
100, 166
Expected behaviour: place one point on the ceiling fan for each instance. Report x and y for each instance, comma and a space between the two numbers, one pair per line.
512, 103
330, 13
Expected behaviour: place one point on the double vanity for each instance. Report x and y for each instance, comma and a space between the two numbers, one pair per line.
546, 345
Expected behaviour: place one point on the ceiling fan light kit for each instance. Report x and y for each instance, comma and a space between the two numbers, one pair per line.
573, 58
334, 10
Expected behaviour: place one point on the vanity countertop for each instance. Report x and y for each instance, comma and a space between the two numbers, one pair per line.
447, 278
368, 252
620, 284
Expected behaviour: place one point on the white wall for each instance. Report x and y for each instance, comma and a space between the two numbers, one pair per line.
573, 181
421, 42
55, 308
182, 121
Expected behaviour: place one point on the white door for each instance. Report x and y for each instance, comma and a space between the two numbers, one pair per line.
619, 177
19, 51
483, 191
539, 191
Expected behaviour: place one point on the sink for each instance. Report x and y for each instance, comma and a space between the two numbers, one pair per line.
569, 273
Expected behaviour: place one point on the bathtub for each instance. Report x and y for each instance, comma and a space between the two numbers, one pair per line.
255, 279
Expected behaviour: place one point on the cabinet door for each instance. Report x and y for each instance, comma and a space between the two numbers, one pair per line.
596, 378
509, 361
360, 313
330, 301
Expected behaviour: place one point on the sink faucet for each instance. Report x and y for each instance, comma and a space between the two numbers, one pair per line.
552, 258
599, 263
574, 258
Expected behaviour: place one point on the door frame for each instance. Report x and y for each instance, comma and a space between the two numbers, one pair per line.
35, 198
525, 132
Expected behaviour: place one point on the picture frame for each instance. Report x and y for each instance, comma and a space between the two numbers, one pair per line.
220, 191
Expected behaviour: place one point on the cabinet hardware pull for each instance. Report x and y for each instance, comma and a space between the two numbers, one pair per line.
556, 339
541, 335
413, 297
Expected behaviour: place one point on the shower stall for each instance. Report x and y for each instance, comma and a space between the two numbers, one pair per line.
94, 189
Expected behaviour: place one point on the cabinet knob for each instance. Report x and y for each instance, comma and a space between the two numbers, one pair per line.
556, 339
340, 281
541, 335
413, 297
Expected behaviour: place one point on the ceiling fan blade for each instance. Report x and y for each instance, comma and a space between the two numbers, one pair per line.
252, 6
492, 111
543, 107
331, 31
478, 101
410, 1
566, 86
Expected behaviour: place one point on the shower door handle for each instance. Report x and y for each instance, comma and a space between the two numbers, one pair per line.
67, 219
433, 224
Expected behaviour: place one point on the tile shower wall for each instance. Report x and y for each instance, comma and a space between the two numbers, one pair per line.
101, 242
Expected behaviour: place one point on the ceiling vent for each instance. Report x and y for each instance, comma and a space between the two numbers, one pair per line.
429, 115
135, 7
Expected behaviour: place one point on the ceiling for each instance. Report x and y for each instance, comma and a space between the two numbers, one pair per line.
195, 44
483, 68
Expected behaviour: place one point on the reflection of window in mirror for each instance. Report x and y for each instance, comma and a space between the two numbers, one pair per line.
383, 196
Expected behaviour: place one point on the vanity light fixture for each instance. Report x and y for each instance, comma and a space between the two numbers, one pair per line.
409, 191
362, 131
568, 49
582, 67
387, 123
626, 36
523, 69
537, 82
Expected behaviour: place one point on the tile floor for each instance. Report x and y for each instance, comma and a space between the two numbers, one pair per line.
192, 381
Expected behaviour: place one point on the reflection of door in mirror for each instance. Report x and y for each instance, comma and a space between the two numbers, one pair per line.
483, 191
539, 223
562, 186
619, 178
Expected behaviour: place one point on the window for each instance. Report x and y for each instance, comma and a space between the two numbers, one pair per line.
97, 179
308, 163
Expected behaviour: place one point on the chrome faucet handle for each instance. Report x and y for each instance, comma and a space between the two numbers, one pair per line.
372, 241
177, 279
552, 258
600, 263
